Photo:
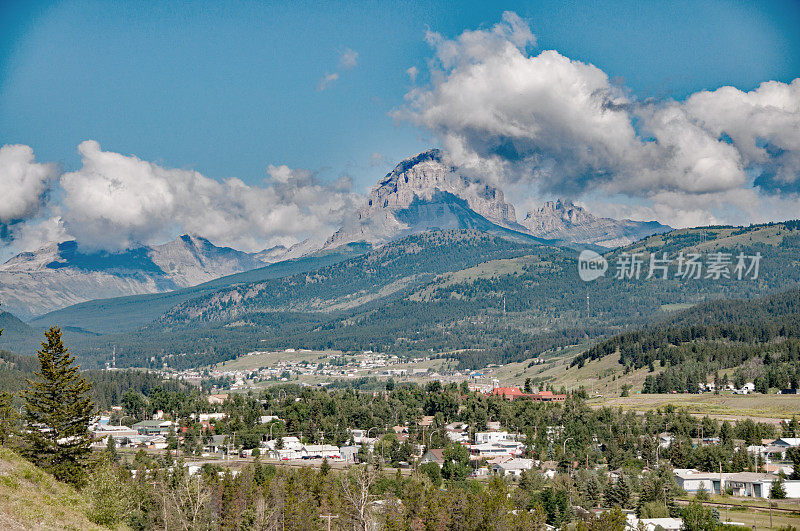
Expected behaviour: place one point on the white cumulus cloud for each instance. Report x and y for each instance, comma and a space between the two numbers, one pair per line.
23, 182
564, 128
116, 201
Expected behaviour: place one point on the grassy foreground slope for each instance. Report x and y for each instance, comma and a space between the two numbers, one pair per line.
33, 499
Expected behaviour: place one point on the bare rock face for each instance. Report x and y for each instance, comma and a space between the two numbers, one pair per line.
565, 221
424, 178
62, 274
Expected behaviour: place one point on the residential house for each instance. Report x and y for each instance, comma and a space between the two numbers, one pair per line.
217, 444
217, 399
787, 442
653, 524
549, 468
692, 481
103, 431
489, 450
319, 451
433, 456
744, 484
512, 467
488, 437
426, 422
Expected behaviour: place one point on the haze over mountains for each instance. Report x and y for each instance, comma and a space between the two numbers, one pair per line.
423, 193
61, 274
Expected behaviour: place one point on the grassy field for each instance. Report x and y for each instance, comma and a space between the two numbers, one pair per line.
604, 380
267, 359
753, 512
761, 408
600, 377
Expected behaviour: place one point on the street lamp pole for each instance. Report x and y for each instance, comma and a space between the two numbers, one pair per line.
564, 449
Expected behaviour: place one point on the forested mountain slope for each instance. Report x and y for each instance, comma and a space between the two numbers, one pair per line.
480, 307
123, 314
481, 298
760, 338
390, 269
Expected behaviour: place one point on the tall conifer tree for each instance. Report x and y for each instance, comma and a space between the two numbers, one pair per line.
58, 410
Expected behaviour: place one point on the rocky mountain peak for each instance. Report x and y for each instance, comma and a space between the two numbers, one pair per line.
421, 178
426, 173
566, 221
555, 213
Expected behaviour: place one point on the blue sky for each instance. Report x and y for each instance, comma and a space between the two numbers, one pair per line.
229, 90
257, 124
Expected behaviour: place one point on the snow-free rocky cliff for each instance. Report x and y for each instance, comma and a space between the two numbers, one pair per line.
62, 274
565, 221
417, 196
422, 193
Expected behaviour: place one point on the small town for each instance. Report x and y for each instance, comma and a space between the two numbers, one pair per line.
400, 266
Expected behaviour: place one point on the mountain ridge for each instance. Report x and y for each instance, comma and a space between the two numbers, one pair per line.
415, 181
61, 274
565, 221
423, 193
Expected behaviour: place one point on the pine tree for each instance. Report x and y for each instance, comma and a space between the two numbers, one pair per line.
58, 410
778, 490
619, 494
8, 418
7, 415
794, 455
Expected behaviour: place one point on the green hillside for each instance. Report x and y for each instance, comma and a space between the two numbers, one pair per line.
478, 297
33, 499
393, 268
760, 339
124, 314
227, 322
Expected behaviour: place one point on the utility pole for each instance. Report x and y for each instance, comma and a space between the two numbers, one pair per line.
177, 434
588, 314
328, 517
770, 514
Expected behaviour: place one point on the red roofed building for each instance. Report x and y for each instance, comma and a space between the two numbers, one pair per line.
512, 393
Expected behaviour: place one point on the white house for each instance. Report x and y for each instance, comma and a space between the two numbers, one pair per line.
488, 437
117, 432
512, 467
205, 417
651, 524
665, 439
744, 484
490, 450
313, 451
693, 481
290, 449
